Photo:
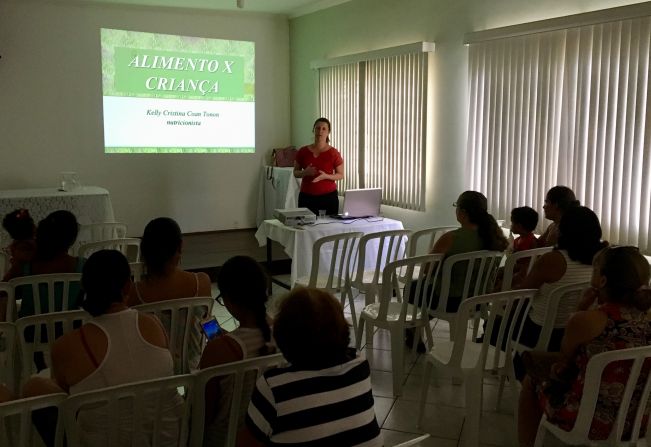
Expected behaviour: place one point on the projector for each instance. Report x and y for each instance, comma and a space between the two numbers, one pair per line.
293, 217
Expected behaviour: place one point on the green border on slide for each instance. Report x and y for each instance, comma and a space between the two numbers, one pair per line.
179, 150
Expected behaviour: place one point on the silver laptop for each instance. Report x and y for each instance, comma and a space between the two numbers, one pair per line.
361, 203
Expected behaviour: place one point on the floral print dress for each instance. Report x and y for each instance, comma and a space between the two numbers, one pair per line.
626, 328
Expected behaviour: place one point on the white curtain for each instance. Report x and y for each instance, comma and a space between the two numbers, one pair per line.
566, 107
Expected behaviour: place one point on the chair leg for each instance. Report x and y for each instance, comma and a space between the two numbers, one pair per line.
351, 300
359, 333
474, 385
423, 393
397, 358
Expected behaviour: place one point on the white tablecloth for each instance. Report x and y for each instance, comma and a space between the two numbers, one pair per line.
90, 204
298, 243
278, 189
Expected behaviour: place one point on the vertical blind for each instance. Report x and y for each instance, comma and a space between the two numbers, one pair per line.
378, 110
567, 107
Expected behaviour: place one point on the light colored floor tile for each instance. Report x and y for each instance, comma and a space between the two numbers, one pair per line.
392, 437
382, 408
382, 383
440, 421
380, 360
496, 429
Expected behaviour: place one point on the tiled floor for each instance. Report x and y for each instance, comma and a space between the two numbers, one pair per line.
445, 412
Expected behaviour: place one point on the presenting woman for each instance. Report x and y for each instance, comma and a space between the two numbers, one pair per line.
319, 165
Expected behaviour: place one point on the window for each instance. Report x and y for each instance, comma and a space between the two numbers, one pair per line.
377, 103
566, 107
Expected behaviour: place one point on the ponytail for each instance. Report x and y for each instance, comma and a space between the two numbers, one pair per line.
490, 232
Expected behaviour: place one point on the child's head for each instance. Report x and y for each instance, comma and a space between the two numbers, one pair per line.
19, 224
524, 220
622, 273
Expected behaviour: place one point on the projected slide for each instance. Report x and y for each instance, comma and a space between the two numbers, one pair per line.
175, 94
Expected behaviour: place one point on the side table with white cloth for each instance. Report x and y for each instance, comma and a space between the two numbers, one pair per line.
89, 204
278, 189
298, 242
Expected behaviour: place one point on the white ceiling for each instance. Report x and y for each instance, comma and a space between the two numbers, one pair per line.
292, 8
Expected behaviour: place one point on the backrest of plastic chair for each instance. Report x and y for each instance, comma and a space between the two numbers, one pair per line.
634, 398
137, 270
8, 356
341, 250
427, 237
141, 413
49, 288
16, 426
128, 246
512, 261
494, 308
416, 289
4, 263
565, 298
182, 320
37, 333
240, 396
96, 232
391, 246
10, 307
480, 269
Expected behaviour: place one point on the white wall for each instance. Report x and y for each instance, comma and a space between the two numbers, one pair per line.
51, 112
365, 25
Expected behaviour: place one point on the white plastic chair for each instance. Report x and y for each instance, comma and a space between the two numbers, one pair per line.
341, 250
429, 236
479, 271
512, 260
391, 246
38, 332
414, 441
181, 319
16, 426
133, 414
128, 246
242, 377
54, 286
464, 358
398, 315
10, 301
8, 357
4, 263
137, 270
579, 435
97, 232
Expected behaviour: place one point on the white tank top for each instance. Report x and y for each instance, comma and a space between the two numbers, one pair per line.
575, 272
129, 358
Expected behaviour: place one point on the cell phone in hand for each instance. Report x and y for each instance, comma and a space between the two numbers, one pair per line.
211, 328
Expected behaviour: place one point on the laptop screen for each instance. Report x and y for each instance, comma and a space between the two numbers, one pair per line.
362, 202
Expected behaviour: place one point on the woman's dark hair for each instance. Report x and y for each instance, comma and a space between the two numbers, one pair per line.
103, 278
579, 232
161, 240
627, 275
243, 281
19, 224
310, 329
562, 197
525, 216
323, 120
475, 205
55, 234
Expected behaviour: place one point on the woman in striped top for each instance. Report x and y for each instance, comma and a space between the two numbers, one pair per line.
324, 398
570, 262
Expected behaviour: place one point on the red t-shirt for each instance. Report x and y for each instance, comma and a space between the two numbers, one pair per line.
326, 161
526, 242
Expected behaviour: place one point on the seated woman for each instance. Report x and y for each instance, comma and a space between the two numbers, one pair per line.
243, 287
579, 239
557, 200
294, 405
619, 321
117, 346
54, 236
161, 248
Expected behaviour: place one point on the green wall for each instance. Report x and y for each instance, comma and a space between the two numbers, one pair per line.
364, 25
